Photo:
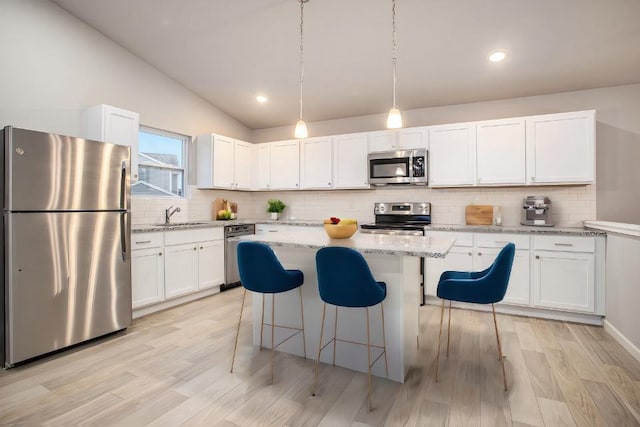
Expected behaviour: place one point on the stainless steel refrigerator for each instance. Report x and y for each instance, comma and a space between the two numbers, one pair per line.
66, 262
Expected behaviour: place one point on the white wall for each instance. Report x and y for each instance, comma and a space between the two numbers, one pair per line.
617, 135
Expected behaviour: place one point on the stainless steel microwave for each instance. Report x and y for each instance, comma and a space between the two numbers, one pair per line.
398, 167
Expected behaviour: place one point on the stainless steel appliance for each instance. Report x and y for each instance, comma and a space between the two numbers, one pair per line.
536, 210
231, 275
398, 167
65, 242
404, 218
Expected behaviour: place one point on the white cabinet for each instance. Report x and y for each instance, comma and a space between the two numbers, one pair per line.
413, 138
561, 148
452, 155
210, 264
500, 151
564, 273
350, 168
285, 165
111, 124
147, 269
223, 162
181, 269
316, 163
459, 258
384, 140
263, 166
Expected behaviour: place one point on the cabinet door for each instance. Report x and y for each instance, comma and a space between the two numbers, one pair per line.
223, 162
561, 148
452, 155
180, 269
564, 280
316, 161
458, 259
518, 290
285, 165
210, 264
264, 166
147, 276
385, 140
500, 150
413, 138
350, 161
242, 165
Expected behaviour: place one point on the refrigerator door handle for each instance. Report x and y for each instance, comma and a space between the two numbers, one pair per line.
123, 235
123, 186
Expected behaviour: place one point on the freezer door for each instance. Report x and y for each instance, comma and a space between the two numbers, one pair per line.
68, 279
47, 172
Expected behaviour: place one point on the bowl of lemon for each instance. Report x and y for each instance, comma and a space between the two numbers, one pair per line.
338, 228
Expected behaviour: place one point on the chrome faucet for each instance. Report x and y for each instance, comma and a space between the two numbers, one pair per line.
169, 212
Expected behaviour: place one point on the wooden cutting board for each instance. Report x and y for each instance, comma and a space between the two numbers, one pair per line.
479, 214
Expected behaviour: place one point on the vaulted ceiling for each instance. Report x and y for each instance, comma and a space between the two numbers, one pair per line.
229, 51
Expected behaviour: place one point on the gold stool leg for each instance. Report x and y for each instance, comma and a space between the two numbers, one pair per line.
304, 341
369, 358
449, 329
335, 337
500, 356
315, 382
273, 329
439, 334
235, 345
262, 324
384, 342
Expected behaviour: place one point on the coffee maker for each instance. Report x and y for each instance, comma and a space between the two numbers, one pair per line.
536, 210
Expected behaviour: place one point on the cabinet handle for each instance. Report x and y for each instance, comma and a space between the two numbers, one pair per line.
533, 178
143, 241
201, 247
479, 253
470, 253
537, 256
159, 253
296, 185
195, 249
501, 241
563, 244
328, 183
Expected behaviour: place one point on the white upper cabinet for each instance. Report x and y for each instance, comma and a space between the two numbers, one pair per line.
561, 148
110, 124
223, 162
384, 140
285, 165
263, 166
500, 152
452, 155
413, 138
316, 163
350, 168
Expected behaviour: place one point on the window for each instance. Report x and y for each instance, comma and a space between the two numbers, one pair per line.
161, 163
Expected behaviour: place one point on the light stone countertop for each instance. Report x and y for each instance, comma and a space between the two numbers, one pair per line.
188, 225
632, 230
381, 244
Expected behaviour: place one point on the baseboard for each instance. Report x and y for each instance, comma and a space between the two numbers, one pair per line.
148, 309
622, 340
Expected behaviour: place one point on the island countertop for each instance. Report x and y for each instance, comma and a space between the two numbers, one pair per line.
381, 244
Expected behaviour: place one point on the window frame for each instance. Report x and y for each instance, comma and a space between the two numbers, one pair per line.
186, 142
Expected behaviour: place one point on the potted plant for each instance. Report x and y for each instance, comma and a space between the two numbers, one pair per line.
275, 207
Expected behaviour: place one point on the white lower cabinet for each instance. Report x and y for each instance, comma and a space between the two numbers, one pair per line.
562, 274
174, 265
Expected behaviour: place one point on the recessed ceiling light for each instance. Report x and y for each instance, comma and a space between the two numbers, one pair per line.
497, 55
261, 99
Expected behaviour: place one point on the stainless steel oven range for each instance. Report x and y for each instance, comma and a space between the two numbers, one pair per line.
231, 275
401, 218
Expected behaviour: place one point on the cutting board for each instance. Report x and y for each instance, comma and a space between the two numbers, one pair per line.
479, 214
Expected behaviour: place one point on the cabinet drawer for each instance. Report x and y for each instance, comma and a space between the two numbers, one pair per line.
146, 240
178, 237
461, 238
564, 243
499, 240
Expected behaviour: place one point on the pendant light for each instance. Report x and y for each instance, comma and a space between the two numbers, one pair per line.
301, 126
394, 120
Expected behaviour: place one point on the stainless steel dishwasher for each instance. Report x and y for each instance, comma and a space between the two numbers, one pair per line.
231, 275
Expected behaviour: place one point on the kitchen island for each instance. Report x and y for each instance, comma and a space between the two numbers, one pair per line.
394, 260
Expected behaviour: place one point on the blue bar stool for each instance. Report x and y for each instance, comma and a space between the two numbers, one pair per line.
260, 271
482, 287
345, 280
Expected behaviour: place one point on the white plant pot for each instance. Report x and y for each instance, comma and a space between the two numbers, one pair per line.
275, 215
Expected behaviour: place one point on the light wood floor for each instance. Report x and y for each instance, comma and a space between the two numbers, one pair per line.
172, 368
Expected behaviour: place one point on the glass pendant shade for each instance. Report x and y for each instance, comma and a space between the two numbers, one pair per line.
301, 129
394, 120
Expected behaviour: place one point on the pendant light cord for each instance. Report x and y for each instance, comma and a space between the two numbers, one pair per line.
394, 58
302, 2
